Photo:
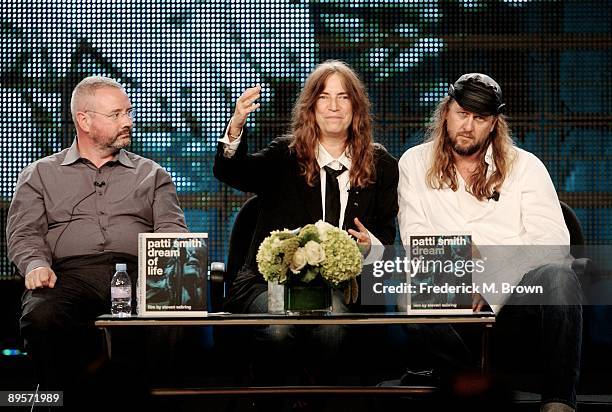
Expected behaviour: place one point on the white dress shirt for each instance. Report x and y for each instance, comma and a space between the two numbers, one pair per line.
527, 211
344, 184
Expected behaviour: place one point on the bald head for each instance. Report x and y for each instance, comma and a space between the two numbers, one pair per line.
85, 91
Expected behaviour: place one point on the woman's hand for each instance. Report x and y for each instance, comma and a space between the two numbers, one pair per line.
478, 302
244, 106
362, 236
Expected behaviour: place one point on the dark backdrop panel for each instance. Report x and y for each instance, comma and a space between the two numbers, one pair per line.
185, 64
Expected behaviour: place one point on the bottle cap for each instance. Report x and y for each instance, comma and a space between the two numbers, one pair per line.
120, 267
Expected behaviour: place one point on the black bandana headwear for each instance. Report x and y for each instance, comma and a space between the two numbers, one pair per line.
477, 93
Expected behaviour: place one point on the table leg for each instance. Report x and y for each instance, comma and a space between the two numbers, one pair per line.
486, 340
107, 339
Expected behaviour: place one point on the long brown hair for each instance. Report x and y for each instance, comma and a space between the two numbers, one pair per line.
442, 173
306, 133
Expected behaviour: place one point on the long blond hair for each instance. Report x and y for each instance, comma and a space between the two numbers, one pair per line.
442, 173
306, 133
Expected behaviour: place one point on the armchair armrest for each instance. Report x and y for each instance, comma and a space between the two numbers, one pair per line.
217, 286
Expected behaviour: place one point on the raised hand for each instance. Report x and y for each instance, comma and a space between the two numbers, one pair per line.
244, 106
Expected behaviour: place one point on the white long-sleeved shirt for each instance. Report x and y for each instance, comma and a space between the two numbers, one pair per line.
526, 213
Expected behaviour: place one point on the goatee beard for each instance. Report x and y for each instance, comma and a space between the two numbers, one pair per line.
466, 151
121, 144
124, 142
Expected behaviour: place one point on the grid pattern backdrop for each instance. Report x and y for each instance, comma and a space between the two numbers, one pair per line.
184, 63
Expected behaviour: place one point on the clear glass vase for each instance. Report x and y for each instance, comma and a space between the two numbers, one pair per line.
276, 297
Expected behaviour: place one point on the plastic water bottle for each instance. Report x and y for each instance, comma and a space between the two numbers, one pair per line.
121, 292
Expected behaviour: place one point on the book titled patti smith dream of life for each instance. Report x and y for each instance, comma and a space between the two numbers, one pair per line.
441, 278
172, 274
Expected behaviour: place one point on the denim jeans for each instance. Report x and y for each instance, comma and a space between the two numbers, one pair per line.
543, 338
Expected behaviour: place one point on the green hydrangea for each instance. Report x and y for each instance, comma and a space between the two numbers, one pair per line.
322, 248
308, 233
342, 257
275, 254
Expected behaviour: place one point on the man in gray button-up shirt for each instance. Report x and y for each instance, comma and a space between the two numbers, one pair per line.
74, 215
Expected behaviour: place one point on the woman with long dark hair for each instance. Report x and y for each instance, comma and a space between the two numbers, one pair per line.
329, 146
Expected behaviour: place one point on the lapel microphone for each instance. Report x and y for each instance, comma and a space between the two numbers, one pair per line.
494, 196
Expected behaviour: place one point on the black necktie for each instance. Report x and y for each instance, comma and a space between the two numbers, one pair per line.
332, 195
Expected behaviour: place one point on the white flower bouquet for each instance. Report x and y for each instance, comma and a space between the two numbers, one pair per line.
300, 256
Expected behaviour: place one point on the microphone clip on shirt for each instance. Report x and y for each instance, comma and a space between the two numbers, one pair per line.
99, 184
495, 196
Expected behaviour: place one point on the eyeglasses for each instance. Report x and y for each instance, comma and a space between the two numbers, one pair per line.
116, 116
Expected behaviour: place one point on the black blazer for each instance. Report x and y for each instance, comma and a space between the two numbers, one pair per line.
287, 202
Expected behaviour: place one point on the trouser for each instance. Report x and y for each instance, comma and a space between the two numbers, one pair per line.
537, 338
315, 346
308, 354
57, 323
542, 339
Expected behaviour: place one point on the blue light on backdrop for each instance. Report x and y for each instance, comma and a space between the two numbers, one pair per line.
184, 64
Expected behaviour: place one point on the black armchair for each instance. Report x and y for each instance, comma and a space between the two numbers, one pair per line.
239, 243
587, 271
575, 230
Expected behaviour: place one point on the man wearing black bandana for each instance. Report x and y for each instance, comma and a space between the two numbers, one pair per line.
469, 177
